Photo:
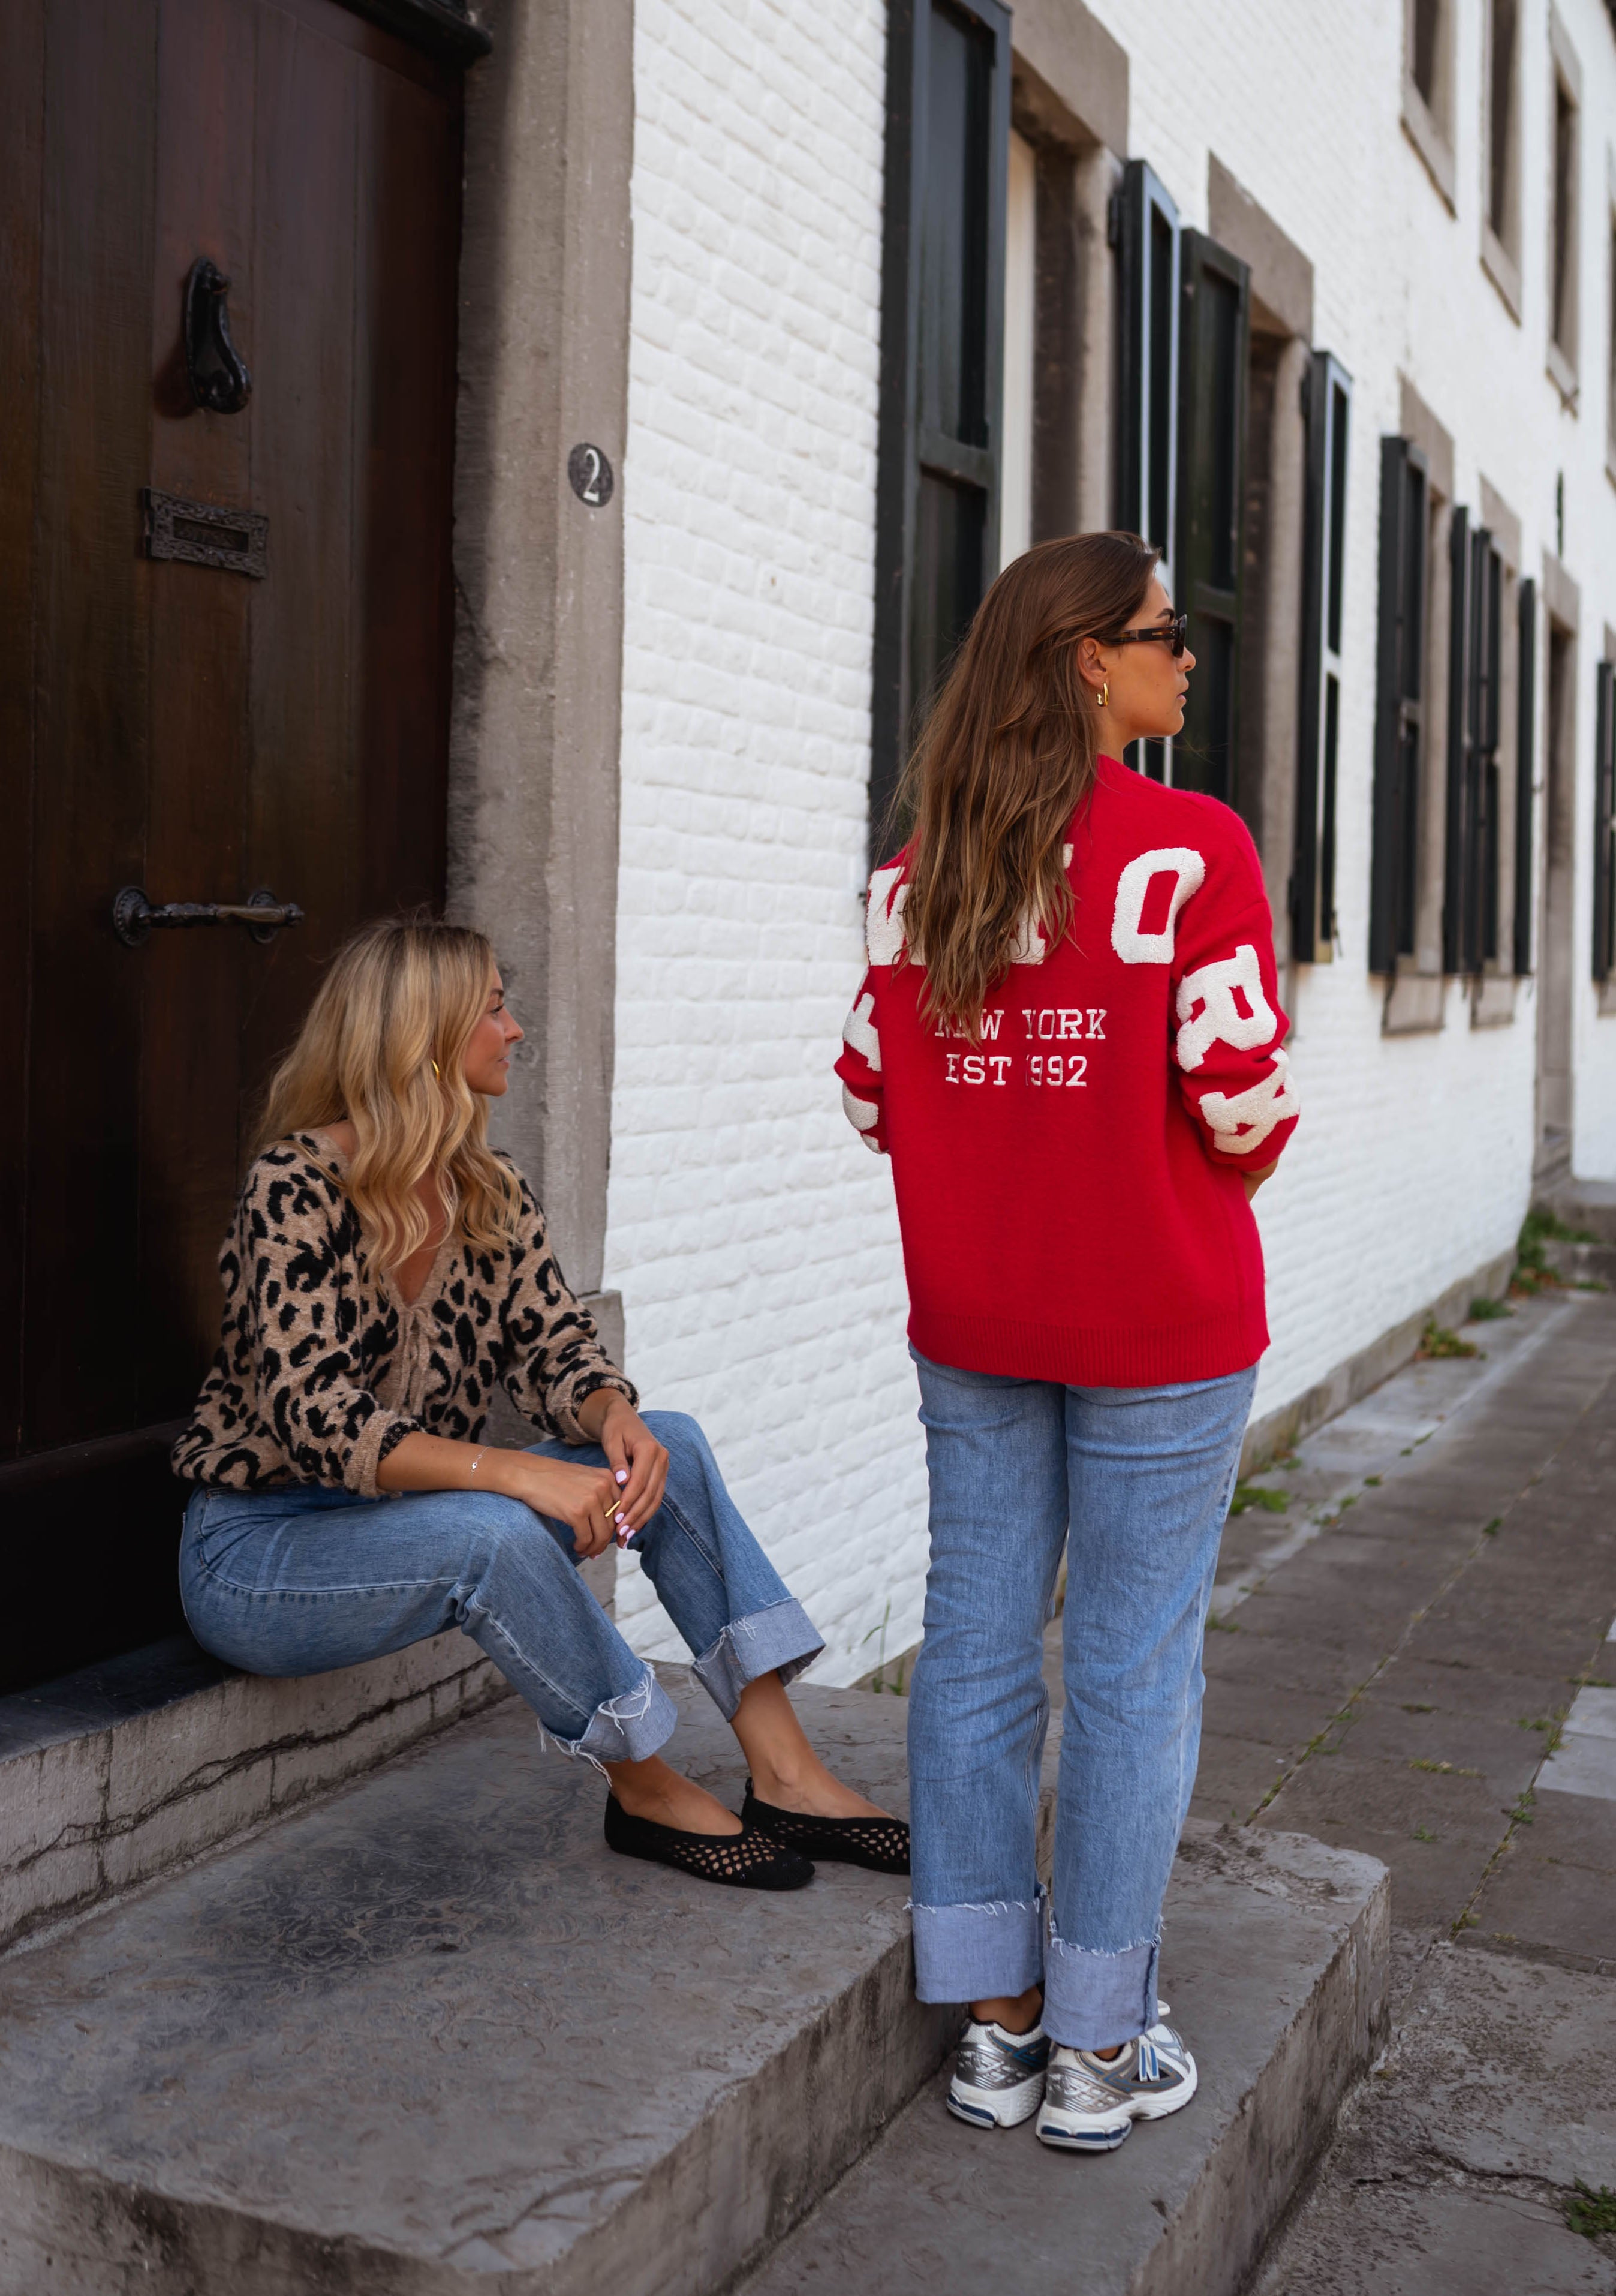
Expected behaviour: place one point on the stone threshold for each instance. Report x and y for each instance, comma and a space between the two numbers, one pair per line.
427, 2036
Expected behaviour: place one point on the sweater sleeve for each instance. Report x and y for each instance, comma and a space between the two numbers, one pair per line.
858, 1066
552, 1357
289, 1269
1228, 1030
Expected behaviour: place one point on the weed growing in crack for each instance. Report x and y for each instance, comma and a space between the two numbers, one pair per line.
1248, 1496
1373, 1482
1424, 1834
1419, 1710
1491, 1529
1591, 2213
1489, 1311
1445, 1770
1437, 1343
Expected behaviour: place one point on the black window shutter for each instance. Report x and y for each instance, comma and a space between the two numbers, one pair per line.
941, 345
1146, 232
1400, 696
1324, 539
1214, 331
1459, 821
1526, 766
1488, 575
1604, 823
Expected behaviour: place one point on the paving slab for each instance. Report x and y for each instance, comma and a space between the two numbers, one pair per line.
431, 2037
1274, 1961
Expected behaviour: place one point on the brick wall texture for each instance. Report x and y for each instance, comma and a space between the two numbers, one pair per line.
752, 1236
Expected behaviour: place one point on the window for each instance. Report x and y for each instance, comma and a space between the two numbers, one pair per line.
1400, 704
1424, 26
1565, 148
1470, 904
1604, 824
1323, 528
1501, 144
937, 507
1428, 27
1526, 757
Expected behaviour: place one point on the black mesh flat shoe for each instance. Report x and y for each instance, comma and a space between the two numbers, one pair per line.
880, 1843
748, 1860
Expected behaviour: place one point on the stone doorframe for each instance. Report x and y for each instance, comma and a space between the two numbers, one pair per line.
538, 672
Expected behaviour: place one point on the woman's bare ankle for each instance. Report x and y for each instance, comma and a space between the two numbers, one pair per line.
655, 1791
1016, 2012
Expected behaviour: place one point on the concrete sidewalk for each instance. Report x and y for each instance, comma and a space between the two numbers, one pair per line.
1414, 1662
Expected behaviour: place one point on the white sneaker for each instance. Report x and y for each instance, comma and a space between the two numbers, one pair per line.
1090, 2102
998, 2076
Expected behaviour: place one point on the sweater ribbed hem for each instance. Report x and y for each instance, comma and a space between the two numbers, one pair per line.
1075, 1357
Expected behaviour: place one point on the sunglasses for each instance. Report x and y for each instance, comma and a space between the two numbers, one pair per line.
1170, 635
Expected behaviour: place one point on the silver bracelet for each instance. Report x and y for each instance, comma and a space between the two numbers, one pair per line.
476, 1464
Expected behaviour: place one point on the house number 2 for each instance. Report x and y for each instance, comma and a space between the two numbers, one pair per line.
591, 476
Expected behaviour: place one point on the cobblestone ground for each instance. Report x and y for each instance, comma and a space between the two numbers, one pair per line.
1412, 1655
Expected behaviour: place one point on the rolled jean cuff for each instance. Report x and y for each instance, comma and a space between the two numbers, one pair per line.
1100, 2000
779, 1639
625, 1728
971, 1952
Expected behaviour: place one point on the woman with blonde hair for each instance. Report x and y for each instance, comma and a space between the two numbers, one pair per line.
385, 1271
1069, 1042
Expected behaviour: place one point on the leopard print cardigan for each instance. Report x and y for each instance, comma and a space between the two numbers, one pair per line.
322, 1368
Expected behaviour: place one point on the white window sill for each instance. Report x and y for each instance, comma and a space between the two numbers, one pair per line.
1503, 270
1428, 140
1492, 1001
1562, 374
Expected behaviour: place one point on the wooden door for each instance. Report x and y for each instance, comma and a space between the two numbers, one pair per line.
188, 729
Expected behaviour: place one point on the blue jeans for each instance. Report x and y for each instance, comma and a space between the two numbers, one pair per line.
1135, 1484
302, 1579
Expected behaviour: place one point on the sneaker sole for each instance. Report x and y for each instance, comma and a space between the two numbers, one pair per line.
994, 2108
1085, 2140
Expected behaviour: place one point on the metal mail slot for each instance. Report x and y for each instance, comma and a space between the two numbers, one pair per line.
202, 534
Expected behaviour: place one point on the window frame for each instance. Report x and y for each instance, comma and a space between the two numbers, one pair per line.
1322, 678
1526, 766
1428, 122
1563, 346
902, 451
1603, 936
1210, 605
1501, 232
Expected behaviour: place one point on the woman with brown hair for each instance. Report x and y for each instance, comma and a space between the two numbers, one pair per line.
1069, 1043
386, 1269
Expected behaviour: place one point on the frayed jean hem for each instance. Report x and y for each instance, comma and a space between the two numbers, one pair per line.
623, 1729
971, 1952
1098, 2000
778, 1639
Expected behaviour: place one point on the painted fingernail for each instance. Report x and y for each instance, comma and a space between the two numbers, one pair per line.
622, 1520
623, 1474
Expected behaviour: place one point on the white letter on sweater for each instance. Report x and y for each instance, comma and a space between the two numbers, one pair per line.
858, 1030
863, 1115
884, 917
1220, 1020
1131, 944
1243, 1121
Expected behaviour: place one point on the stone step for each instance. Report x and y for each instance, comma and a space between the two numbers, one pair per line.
1276, 1965
429, 2036
1589, 1204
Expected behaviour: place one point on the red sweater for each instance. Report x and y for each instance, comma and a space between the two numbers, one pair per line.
1070, 1190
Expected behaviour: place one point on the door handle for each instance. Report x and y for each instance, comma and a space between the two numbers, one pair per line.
216, 371
134, 916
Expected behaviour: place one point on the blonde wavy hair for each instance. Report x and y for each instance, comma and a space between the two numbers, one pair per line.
385, 1046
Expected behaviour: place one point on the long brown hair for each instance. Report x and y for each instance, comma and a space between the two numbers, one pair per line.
1007, 753
385, 1046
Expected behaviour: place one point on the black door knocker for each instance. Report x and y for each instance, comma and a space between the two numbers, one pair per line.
219, 378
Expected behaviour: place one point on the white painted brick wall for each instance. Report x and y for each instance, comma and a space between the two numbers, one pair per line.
752, 1237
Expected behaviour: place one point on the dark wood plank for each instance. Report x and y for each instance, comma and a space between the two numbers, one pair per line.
194, 982
84, 1328
410, 147
22, 146
304, 831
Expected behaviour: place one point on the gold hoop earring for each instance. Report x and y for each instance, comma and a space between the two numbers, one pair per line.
1103, 698
436, 1071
